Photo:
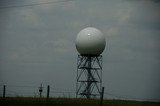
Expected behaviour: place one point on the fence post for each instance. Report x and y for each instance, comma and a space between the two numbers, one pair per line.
4, 91
48, 90
102, 96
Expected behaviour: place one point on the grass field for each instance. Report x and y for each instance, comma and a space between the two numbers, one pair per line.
29, 101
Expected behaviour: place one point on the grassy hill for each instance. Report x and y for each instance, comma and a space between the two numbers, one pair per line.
29, 101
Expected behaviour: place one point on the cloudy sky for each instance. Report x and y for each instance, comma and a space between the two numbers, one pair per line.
37, 43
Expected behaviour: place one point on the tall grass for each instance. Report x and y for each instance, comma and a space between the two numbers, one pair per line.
29, 101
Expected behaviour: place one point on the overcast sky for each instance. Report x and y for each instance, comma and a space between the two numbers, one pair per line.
37, 43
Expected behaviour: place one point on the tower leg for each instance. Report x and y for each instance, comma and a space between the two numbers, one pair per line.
89, 83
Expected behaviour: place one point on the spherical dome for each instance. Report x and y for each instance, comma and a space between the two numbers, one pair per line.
90, 41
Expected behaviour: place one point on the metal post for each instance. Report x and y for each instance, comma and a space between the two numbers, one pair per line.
4, 91
102, 93
89, 78
48, 90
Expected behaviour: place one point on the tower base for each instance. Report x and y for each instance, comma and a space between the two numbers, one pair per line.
89, 76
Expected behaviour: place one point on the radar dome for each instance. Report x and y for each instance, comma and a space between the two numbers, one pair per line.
90, 41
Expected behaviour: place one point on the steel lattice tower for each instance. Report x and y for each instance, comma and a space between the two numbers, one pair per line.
89, 76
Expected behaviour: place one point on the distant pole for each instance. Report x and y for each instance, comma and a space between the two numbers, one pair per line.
4, 91
48, 90
102, 93
40, 90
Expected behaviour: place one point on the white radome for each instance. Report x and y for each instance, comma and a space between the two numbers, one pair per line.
90, 41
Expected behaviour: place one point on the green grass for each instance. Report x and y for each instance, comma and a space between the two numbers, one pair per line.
29, 101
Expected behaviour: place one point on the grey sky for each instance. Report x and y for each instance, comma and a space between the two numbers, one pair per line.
37, 43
